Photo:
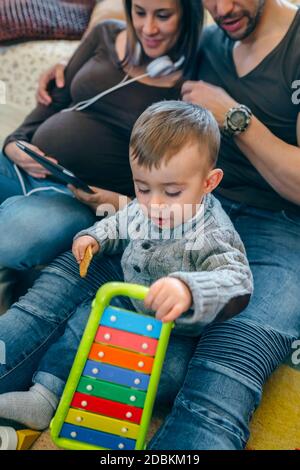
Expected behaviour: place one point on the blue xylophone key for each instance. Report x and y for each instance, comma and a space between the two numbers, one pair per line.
96, 438
132, 322
116, 375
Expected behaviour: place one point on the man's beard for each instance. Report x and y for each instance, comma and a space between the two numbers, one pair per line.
252, 23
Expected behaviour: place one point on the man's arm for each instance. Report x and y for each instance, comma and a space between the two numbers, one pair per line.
277, 161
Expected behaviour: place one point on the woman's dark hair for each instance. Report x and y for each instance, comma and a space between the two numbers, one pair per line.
188, 41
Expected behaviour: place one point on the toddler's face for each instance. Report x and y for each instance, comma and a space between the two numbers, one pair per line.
172, 194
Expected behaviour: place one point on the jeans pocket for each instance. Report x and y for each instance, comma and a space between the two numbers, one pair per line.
291, 218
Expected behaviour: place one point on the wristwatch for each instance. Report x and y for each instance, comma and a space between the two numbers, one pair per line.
237, 120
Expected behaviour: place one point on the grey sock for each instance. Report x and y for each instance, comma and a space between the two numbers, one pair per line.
34, 408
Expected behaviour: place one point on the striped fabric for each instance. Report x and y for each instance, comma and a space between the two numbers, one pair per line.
43, 19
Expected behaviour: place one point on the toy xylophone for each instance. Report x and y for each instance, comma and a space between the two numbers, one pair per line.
109, 396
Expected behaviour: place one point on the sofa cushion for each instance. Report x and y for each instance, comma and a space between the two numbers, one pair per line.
50, 19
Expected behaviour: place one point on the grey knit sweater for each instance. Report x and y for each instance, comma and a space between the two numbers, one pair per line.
206, 253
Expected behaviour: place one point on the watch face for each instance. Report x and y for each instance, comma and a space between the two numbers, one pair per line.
238, 119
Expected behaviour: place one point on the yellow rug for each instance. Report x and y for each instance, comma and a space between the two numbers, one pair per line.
276, 423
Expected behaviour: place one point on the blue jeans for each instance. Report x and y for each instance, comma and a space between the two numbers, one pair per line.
54, 313
216, 380
38, 218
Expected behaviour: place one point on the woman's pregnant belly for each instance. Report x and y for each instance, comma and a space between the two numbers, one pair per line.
94, 151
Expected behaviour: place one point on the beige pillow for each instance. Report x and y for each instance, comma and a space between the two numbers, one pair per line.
22, 64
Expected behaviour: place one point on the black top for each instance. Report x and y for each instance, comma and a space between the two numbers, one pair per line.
93, 143
267, 91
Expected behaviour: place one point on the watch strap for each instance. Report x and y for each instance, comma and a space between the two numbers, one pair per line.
229, 128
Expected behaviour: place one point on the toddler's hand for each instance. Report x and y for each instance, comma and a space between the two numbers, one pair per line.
80, 245
169, 297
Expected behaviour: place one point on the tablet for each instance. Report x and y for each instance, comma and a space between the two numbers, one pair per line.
62, 174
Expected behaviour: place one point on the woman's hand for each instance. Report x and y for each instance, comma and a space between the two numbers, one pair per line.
81, 244
169, 297
102, 201
57, 73
27, 163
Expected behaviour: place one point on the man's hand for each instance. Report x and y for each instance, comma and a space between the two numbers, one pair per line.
57, 73
208, 96
80, 245
169, 297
